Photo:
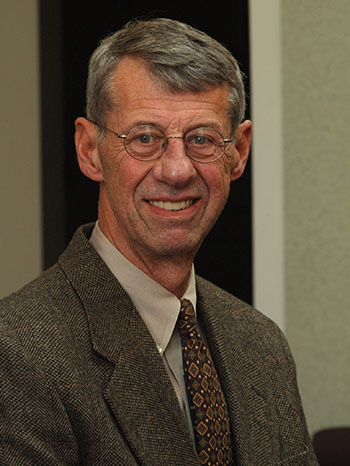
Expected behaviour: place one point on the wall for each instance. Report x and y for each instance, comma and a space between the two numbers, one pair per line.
316, 120
267, 166
20, 211
301, 113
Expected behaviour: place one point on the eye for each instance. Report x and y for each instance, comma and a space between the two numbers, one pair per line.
144, 142
204, 144
146, 138
199, 139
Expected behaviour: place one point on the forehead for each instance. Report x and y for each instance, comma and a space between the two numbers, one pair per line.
138, 94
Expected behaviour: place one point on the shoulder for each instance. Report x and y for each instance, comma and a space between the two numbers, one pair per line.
228, 307
34, 295
243, 325
51, 289
30, 315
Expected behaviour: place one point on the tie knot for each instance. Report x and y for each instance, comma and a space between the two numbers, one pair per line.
187, 318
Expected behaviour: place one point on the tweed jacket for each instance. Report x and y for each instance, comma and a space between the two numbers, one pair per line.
82, 382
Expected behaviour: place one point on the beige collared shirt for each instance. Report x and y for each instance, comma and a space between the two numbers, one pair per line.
157, 306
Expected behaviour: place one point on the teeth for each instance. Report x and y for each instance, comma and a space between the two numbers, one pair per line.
172, 205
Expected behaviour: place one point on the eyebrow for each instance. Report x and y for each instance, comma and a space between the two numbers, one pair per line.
204, 124
208, 124
145, 123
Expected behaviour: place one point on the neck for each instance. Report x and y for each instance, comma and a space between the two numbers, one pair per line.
170, 271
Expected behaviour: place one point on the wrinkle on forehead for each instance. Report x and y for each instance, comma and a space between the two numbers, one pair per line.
148, 88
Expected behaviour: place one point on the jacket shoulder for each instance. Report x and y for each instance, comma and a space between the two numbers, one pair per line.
229, 306
34, 298
35, 318
242, 324
52, 289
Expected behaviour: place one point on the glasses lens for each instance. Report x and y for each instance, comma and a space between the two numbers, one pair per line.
144, 142
204, 144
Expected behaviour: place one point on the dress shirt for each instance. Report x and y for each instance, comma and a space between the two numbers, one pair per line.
157, 306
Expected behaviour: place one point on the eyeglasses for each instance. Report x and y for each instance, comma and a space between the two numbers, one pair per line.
145, 143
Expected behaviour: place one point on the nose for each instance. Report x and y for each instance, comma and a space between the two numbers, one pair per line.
174, 167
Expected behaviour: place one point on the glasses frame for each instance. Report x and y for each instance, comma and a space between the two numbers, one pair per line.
166, 138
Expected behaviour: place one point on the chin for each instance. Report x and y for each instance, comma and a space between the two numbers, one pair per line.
180, 248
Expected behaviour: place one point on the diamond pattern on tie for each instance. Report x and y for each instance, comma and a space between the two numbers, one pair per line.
206, 399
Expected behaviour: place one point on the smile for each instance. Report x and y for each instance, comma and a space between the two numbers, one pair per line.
174, 206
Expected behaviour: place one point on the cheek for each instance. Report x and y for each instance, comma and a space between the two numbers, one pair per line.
113, 175
224, 191
229, 161
123, 175
217, 179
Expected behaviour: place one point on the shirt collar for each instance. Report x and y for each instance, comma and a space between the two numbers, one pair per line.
158, 307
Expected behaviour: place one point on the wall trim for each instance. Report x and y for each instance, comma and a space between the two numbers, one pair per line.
267, 163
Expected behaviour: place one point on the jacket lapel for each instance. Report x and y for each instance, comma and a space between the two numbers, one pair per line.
138, 390
243, 383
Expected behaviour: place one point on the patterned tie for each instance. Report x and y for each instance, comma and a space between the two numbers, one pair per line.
208, 407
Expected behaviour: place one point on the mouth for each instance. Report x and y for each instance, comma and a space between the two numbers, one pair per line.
172, 206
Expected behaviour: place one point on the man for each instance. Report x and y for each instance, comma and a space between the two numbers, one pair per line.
95, 354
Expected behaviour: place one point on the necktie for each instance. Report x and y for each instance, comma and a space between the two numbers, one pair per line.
208, 407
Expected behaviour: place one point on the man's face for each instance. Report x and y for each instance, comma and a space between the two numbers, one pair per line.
167, 206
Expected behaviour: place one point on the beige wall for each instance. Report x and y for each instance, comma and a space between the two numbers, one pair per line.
267, 166
316, 123
20, 237
301, 73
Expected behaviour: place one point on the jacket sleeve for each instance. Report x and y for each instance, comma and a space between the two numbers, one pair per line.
34, 427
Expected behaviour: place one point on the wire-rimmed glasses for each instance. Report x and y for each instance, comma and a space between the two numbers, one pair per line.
146, 142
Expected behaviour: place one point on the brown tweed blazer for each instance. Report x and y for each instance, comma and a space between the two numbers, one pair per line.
82, 382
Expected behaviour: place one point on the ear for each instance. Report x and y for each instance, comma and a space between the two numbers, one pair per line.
86, 144
243, 135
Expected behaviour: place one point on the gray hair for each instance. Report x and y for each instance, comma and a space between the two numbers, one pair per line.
181, 57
